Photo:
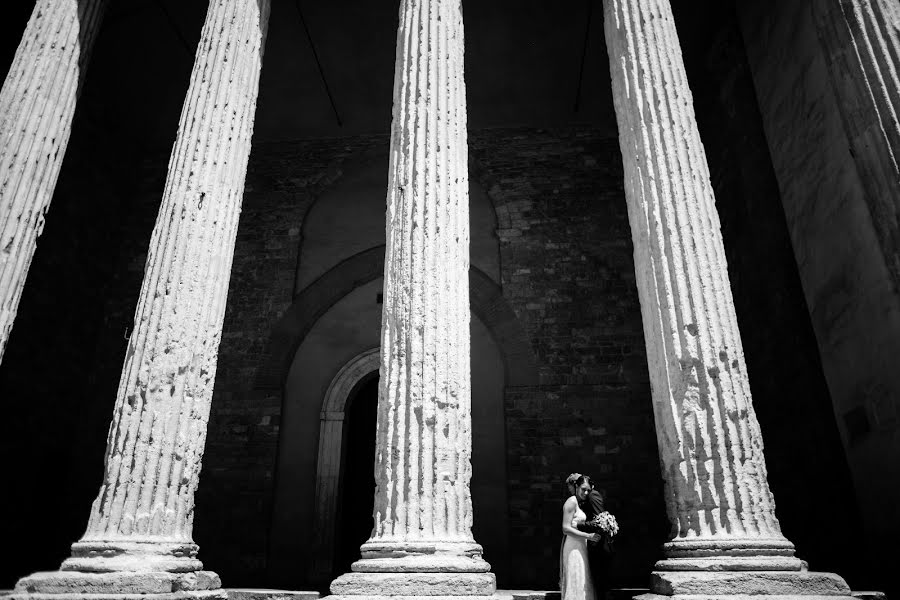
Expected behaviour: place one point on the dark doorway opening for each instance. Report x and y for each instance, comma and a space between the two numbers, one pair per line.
357, 482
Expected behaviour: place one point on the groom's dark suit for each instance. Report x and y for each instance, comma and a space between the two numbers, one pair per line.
598, 553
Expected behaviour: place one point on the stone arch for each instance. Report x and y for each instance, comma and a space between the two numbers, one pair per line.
515, 360
326, 237
328, 465
308, 306
486, 301
357, 186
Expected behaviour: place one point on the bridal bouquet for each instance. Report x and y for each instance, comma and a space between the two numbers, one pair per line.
606, 523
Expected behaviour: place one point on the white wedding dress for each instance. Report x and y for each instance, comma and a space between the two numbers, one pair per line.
574, 573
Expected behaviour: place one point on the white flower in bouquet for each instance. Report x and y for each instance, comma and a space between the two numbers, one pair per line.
607, 522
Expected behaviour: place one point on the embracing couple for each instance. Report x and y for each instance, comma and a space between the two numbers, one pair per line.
588, 530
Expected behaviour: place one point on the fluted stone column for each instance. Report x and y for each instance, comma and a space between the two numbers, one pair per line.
37, 104
422, 541
861, 40
138, 538
726, 538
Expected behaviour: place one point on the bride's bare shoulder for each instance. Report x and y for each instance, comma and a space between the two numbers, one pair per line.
570, 502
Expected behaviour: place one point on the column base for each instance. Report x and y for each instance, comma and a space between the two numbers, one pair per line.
405, 550
729, 554
371, 597
735, 584
414, 585
126, 556
128, 585
424, 569
267, 594
422, 564
193, 595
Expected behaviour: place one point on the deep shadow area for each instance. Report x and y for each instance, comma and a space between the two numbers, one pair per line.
357, 483
61, 369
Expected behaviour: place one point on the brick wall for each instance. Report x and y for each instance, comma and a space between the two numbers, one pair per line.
234, 499
603, 430
568, 272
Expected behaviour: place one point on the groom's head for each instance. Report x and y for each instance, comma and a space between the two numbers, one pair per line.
571, 482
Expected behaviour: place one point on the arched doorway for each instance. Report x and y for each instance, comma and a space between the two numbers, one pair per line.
357, 479
349, 392
325, 429
327, 364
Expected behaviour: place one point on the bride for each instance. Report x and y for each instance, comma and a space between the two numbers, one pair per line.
574, 574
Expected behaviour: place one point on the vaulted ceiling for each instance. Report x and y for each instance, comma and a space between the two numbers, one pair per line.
528, 62
523, 64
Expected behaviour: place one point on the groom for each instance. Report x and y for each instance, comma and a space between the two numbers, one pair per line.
599, 553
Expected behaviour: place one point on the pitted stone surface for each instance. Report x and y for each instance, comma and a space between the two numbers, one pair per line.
435, 563
37, 104
142, 518
193, 595
422, 541
727, 540
423, 442
741, 597
710, 445
382, 597
264, 594
72, 582
748, 560
795, 583
126, 555
415, 584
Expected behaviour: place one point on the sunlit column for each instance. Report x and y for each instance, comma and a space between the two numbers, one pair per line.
37, 104
142, 518
422, 540
724, 528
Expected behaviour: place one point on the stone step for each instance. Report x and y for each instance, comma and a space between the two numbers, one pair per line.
267, 594
613, 594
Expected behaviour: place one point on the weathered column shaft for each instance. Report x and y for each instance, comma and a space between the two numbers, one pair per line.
422, 536
424, 443
143, 514
861, 40
710, 445
37, 104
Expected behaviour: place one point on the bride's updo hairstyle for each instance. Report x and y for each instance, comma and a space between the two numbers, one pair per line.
582, 479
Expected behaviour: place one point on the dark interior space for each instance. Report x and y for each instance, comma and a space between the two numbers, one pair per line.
357, 475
